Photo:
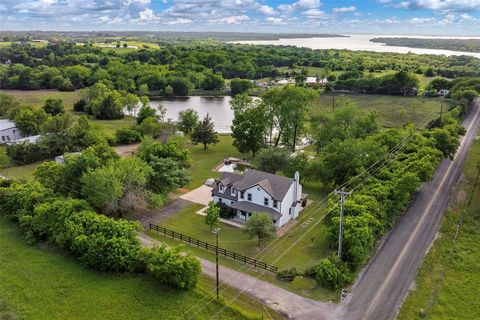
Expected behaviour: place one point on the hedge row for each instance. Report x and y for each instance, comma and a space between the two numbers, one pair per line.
99, 242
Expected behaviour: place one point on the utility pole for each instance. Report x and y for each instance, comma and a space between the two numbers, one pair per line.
343, 194
217, 231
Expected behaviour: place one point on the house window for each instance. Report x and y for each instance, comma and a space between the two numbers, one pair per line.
219, 200
265, 201
275, 203
274, 221
233, 191
249, 196
249, 214
290, 211
220, 188
242, 195
3, 138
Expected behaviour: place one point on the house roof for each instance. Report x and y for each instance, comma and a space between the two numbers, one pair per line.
276, 186
252, 207
6, 124
29, 139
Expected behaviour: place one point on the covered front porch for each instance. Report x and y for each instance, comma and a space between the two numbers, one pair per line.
245, 210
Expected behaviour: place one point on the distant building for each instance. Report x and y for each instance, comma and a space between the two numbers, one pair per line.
261, 192
61, 159
443, 92
8, 131
312, 81
30, 139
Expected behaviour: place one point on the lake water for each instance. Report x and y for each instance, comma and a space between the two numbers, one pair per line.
218, 108
362, 42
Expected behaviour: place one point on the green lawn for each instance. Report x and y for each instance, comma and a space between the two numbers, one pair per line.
394, 111
38, 282
204, 161
313, 246
448, 283
25, 171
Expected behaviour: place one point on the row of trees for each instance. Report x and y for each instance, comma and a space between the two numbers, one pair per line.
378, 201
99, 242
175, 69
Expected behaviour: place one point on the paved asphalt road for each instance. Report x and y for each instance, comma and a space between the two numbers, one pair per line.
384, 284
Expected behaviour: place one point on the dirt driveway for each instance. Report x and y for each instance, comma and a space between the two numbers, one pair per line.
201, 195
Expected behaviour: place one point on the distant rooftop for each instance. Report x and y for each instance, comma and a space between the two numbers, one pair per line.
6, 124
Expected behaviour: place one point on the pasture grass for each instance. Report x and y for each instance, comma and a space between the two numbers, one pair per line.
448, 283
394, 111
40, 282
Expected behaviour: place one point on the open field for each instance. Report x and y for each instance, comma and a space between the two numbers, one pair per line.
314, 246
38, 97
38, 282
448, 283
394, 111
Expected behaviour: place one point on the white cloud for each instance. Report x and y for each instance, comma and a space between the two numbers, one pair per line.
314, 14
275, 20
178, 21
230, 20
442, 5
267, 10
148, 15
344, 9
300, 5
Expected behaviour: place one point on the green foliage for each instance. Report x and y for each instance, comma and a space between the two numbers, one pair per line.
331, 273
146, 112
4, 158
249, 126
238, 86
187, 121
7, 102
127, 135
79, 105
287, 108
287, 275
108, 106
213, 214
272, 159
150, 127
54, 106
205, 133
213, 81
173, 266
117, 186
260, 225
28, 119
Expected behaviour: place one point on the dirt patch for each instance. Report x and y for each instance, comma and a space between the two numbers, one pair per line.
126, 150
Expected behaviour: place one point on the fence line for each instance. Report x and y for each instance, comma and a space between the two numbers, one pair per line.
207, 246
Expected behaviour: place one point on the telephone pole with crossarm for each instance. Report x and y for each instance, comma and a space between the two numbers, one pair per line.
343, 194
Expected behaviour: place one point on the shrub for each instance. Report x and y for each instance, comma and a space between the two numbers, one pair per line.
287, 274
238, 86
54, 106
331, 273
127, 135
173, 267
79, 105
226, 212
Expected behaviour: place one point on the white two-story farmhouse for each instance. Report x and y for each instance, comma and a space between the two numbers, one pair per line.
257, 191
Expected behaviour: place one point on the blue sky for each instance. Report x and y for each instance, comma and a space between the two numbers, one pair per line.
423, 17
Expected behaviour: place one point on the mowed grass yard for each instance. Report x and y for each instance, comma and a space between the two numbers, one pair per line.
306, 243
204, 161
39, 282
394, 111
448, 283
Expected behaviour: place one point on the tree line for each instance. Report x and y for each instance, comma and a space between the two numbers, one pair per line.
176, 69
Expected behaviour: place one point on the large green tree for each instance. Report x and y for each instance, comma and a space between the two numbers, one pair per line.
205, 133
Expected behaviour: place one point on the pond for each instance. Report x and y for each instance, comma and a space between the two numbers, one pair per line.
218, 108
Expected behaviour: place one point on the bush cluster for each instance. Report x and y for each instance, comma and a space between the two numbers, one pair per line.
99, 242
